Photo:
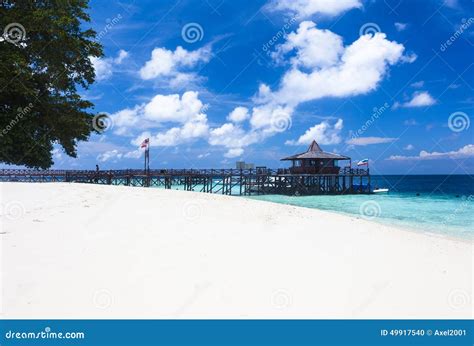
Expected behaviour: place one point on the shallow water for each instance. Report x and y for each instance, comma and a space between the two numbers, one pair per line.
445, 204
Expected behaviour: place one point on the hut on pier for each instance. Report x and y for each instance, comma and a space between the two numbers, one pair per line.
315, 161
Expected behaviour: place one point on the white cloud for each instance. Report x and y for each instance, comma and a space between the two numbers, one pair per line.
239, 114
362, 141
171, 65
177, 135
400, 26
121, 56
134, 154
104, 67
346, 71
323, 133
235, 152
409, 147
465, 152
419, 99
326, 52
320, 66
233, 136
409, 58
174, 108
418, 84
306, 8
161, 109
109, 155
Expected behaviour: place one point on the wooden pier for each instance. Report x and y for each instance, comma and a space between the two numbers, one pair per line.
221, 181
314, 172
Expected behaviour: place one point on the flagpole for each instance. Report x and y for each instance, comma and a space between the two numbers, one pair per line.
148, 157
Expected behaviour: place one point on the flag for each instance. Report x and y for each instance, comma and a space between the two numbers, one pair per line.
364, 162
145, 143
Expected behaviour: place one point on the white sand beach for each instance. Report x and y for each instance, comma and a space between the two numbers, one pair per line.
90, 251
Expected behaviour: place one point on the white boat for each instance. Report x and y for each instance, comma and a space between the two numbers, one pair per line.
380, 191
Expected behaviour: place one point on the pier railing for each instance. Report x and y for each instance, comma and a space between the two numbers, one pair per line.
260, 180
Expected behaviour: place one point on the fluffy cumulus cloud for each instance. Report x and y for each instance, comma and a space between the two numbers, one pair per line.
419, 99
319, 66
335, 71
463, 153
239, 114
184, 111
109, 155
174, 66
362, 141
306, 8
104, 67
232, 153
323, 133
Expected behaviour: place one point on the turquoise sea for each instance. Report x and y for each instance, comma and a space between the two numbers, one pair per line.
438, 204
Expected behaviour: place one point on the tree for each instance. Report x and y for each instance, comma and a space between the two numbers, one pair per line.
44, 56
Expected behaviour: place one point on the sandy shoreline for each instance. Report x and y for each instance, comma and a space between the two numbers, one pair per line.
90, 251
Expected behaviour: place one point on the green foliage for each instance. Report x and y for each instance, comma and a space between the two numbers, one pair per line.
44, 57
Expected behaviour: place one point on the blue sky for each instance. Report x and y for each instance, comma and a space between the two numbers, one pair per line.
215, 81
